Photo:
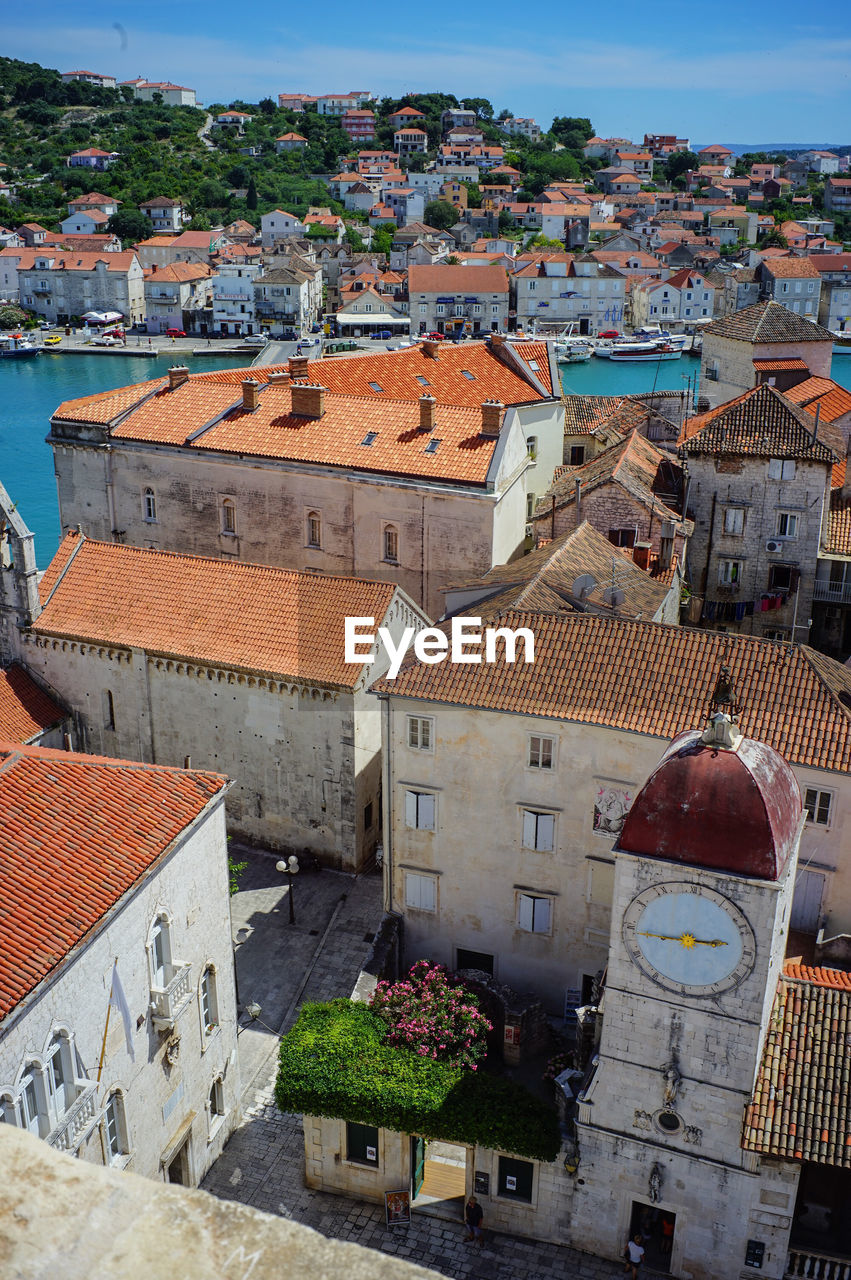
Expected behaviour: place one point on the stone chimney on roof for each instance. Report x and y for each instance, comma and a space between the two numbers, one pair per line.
278, 378
427, 408
431, 348
492, 411
177, 375
297, 366
496, 340
250, 395
308, 400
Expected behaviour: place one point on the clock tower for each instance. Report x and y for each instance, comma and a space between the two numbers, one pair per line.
704, 876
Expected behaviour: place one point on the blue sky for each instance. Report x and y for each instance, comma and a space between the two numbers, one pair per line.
726, 72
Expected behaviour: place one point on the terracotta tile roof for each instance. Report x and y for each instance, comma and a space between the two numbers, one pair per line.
25, 709
451, 280
103, 406
585, 415
179, 272
250, 616
650, 476
799, 1109
767, 322
646, 677
837, 538
762, 423
838, 979
61, 261
780, 365
543, 580
78, 832
791, 268
833, 399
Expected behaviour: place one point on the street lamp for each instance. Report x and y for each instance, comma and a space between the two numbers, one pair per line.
289, 869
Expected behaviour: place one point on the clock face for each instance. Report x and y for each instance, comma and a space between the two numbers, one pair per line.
689, 939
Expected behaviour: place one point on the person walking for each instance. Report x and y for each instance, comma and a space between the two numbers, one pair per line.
473, 1217
634, 1255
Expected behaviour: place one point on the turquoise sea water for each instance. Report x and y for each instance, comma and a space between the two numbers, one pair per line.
30, 390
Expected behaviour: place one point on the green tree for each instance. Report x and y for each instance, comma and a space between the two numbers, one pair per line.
774, 239
382, 237
130, 225
440, 214
569, 127
354, 241
251, 194
474, 195
12, 318
678, 163
266, 106
481, 106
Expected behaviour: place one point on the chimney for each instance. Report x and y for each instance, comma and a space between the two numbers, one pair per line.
278, 379
431, 348
250, 395
427, 407
177, 375
492, 411
641, 555
297, 366
496, 340
578, 491
815, 425
308, 400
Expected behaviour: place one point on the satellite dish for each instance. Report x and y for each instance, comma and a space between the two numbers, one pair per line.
581, 587
614, 596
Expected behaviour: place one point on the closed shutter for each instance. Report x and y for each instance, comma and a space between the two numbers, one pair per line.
546, 831
410, 808
543, 912
425, 813
529, 829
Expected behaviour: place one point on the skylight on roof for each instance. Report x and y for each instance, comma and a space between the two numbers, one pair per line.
370, 437
431, 447
376, 386
424, 382
467, 374
533, 364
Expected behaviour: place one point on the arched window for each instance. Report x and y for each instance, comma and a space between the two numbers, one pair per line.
228, 516
391, 543
208, 1001
149, 505
115, 1125
160, 949
314, 529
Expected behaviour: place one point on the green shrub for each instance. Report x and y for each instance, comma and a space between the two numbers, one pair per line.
336, 1061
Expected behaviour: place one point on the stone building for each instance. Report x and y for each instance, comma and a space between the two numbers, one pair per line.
103, 860
456, 300
631, 492
764, 331
417, 464
144, 649
554, 753
60, 285
759, 487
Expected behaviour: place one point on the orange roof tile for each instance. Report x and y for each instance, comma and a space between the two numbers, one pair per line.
799, 1107
646, 677
25, 709
832, 399
447, 279
761, 423
78, 831
837, 538
289, 624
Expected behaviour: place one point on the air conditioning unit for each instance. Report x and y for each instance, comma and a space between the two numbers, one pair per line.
773, 545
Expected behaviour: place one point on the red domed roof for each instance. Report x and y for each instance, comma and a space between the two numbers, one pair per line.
733, 810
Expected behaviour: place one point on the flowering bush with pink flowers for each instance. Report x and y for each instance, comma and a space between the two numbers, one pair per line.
432, 1016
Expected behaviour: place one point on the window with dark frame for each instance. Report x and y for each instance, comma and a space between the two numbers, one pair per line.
362, 1143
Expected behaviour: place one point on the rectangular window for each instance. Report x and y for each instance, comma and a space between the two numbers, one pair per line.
781, 468
419, 732
623, 537
534, 915
782, 577
419, 810
734, 521
541, 752
787, 524
729, 572
115, 1138
420, 891
817, 804
362, 1143
538, 830
532, 447
577, 455
515, 1179
314, 529
391, 545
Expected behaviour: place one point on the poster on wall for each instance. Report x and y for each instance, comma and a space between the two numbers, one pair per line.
397, 1208
481, 1183
611, 805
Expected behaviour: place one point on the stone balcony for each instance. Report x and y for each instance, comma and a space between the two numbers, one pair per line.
78, 1121
817, 1266
169, 1001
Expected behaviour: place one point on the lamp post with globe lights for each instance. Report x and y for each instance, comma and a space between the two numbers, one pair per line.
289, 869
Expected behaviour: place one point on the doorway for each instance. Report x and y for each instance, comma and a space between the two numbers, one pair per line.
438, 1177
177, 1170
481, 960
656, 1227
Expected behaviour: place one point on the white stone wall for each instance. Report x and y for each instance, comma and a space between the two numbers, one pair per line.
163, 1103
733, 361
477, 769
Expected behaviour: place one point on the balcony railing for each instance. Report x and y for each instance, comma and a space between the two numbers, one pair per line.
231, 297
818, 1266
833, 592
167, 1002
80, 1118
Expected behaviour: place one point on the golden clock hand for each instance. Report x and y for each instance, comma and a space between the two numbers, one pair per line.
688, 940
666, 937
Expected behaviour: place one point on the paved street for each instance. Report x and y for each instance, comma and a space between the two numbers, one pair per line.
319, 957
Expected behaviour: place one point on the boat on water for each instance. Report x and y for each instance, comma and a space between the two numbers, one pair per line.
841, 342
658, 350
653, 333
14, 346
572, 350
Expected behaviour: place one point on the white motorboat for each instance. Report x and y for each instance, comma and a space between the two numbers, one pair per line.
841, 342
658, 350
14, 346
572, 350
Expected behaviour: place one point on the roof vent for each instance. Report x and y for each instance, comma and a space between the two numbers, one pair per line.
177, 375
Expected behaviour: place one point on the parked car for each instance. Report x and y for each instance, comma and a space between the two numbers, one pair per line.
115, 333
103, 340
382, 334
316, 328
308, 342
608, 333
175, 333
52, 339
435, 337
